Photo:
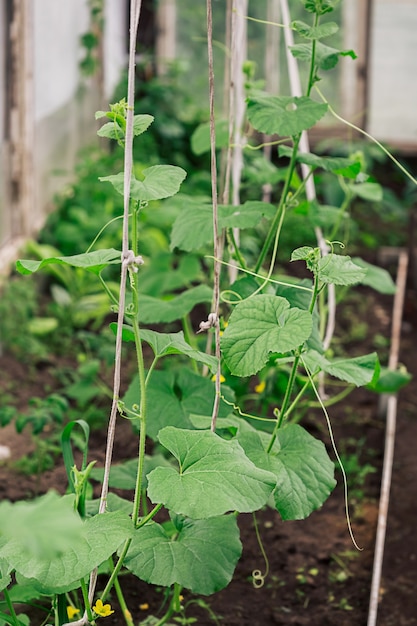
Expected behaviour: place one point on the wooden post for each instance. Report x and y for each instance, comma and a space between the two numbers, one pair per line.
166, 34
22, 194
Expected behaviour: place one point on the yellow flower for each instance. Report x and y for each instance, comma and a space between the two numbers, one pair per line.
144, 606
104, 610
72, 611
222, 378
261, 387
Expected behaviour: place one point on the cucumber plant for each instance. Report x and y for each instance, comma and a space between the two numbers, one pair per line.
219, 458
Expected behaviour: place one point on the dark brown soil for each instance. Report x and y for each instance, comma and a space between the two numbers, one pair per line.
316, 576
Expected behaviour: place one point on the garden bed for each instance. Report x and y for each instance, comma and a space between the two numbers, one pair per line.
313, 567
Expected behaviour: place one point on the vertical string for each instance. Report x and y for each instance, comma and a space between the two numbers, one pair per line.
217, 242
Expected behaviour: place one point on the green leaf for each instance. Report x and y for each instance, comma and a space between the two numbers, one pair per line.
320, 7
5, 577
358, 371
123, 475
200, 139
215, 476
93, 262
173, 396
43, 527
301, 465
346, 166
162, 277
92, 544
247, 215
315, 32
112, 130
202, 557
158, 311
390, 381
160, 181
261, 325
193, 228
367, 191
284, 115
339, 270
301, 299
326, 57
376, 277
164, 344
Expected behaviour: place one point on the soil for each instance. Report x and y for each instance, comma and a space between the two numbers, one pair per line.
316, 576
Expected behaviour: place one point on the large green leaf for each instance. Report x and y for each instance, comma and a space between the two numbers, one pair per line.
160, 181
163, 311
164, 344
340, 270
359, 371
93, 262
215, 476
173, 396
301, 465
74, 548
193, 228
284, 115
376, 277
261, 325
202, 556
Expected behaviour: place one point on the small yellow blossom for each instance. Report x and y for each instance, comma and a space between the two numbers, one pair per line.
144, 606
72, 612
222, 378
180, 598
104, 610
260, 388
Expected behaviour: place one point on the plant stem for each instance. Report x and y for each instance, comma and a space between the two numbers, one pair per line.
287, 397
126, 613
11, 608
142, 413
87, 606
280, 214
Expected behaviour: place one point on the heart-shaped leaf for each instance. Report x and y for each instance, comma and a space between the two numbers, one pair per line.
202, 557
304, 472
215, 476
340, 270
261, 325
160, 181
284, 115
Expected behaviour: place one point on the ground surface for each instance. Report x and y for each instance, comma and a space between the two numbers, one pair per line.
316, 576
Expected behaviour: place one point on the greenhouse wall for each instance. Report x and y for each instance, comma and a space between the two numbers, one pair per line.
47, 104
